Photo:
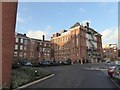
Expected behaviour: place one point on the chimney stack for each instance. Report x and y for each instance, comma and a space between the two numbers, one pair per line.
87, 24
43, 37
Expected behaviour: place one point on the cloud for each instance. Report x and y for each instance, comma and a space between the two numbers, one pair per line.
110, 35
82, 10
84, 22
37, 34
20, 20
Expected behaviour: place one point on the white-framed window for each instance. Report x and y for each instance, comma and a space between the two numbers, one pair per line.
45, 54
39, 54
16, 40
25, 54
16, 47
44, 44
40, 43
21, 40
15, 54
20, 54
25, 48
25, 41
21, 47
77, 41
72, 41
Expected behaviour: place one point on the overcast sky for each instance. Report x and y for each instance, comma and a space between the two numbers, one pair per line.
38, 18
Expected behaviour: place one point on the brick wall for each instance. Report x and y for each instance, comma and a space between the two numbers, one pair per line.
9, 10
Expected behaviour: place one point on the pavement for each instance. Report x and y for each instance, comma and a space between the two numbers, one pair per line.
75, 76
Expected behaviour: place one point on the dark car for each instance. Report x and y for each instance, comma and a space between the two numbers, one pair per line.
26, 63
15, 65
44, 63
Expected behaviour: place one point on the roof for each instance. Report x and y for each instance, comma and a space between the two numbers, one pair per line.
75, 25
40, 40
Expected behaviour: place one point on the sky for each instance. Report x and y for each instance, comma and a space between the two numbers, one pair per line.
38, 18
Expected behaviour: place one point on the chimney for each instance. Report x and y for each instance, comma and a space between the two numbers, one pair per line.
24, 34
43, 37
87, 24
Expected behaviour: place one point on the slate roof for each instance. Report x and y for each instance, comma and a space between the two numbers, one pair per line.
75, 25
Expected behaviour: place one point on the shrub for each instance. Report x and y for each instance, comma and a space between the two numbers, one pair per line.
26, 75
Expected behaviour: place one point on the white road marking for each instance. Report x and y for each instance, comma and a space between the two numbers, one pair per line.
29, 84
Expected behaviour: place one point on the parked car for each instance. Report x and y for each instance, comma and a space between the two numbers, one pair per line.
116, 72
111, 66
107, 62
44, 63
111, 70
15, 65
28, 64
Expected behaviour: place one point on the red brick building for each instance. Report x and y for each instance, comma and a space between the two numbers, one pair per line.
8, 11
31, 49
110, 52
21, 49
78, 44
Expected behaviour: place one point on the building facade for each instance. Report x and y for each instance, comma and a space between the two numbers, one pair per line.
78, 44
31, 49
110, 52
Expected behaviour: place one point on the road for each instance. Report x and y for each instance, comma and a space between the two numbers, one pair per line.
75, 76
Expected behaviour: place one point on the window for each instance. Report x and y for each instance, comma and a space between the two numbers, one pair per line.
40, 43
21, 47
15, 54
26, 41
16, 40
43, 49
20, 54
21, 40
45, 54
16, 47
39, 55
48, 54
25, 48
77, 41
44, 44
72, 41
25, 54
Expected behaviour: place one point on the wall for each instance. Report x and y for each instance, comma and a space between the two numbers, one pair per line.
9, 10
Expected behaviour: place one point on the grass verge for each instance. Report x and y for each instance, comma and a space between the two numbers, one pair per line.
25, 75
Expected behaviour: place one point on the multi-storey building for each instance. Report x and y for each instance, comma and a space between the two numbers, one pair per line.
110, 52
21, 50
78, 44
31, 49
40, 49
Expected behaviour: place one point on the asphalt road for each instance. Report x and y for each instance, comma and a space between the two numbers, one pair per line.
75, 76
